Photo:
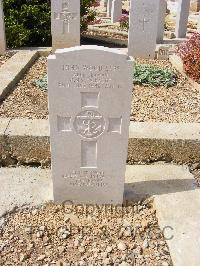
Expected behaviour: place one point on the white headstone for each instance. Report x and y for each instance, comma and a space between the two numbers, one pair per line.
143, 21
116, 11
182, 18
109, 7
161, 20
65, 23
89, 105
2, 30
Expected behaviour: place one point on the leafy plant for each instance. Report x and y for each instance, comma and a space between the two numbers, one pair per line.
153, 75
41, 83
189, 52
28, 22
124, 22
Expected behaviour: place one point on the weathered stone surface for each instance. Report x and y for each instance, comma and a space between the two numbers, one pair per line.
89, 107
164, 142
65, 23
28, 141
2, 30
143, 28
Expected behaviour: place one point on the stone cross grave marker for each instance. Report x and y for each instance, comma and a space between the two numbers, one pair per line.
2, 30
89, 106
65, 20
143, 28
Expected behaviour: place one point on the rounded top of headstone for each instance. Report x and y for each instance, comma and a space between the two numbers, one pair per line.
92, 49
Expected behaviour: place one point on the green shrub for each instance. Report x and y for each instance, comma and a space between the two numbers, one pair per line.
41, 83
28, 22
153, 75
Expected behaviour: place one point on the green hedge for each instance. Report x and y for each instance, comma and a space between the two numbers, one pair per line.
28, 22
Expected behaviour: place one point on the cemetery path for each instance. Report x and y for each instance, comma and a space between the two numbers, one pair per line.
180, 103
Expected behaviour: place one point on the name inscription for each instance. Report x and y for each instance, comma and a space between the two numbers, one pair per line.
89, 76
84, 178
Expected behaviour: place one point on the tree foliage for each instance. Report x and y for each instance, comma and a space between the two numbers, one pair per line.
28, 22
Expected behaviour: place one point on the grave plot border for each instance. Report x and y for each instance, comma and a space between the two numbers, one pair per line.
25, 141
15, 67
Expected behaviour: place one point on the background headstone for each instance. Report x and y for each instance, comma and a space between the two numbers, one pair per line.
182, 18
116, 11
90, 91
143, 27
65, 23
109, 7
2, 30
161, 20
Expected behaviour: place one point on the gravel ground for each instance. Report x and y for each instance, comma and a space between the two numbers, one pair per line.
83, 235
180, 103
27, 100
5, 57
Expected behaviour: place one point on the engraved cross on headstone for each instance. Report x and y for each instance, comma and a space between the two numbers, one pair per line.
143, 22
65, 16
89, 124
